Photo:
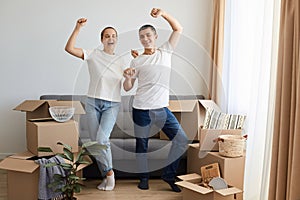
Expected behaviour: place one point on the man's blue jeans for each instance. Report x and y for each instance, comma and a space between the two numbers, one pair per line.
102, 116
163, 118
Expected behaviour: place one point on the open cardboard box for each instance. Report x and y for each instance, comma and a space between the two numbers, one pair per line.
231, 169
187, 112
23, 175
191, 115
193, 191
36, 109
42, 131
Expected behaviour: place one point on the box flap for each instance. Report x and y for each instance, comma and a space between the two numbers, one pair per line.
210, 171
44, 119
194, 145
52, 123
24, 155
19, 165
182, 105
194, 187
86, 158
188, 177
76, 104
210, 104
29, 105
229, 191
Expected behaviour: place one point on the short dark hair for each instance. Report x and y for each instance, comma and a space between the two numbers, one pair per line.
147, 26
108, 27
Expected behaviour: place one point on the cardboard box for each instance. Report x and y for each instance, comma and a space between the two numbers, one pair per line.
193, 191
36, 109
41, 130
188, 115
48, 133
232, 169
23, 176
208, 137
191, 115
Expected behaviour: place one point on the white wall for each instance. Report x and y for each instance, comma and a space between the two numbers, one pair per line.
33, 62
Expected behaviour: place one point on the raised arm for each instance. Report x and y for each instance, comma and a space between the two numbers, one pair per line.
70, 46
175, 25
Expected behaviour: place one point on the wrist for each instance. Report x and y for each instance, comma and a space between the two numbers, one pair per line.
163, 13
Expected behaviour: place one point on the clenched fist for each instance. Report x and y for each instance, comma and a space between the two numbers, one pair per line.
81, 22
156, 12
129, 72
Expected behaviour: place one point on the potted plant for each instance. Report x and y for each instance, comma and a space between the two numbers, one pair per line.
70, 183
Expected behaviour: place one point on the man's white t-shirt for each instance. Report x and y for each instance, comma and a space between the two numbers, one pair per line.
153, 76
106, 73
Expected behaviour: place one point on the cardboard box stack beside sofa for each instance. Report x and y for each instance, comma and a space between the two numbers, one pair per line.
41, 131
191, 115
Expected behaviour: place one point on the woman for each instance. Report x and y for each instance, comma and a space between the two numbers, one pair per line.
103, 97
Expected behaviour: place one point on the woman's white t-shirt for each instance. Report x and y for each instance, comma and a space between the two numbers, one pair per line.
106, 73
153, 76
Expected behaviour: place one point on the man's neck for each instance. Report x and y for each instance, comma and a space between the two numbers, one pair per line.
149, 51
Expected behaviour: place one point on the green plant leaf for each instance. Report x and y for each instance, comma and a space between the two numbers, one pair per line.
88, 144
50, 164
66, 166
83, 162
77, 188
58, 177
74, 177
44, 149
80, 155
62, 155
68, 154
65, 146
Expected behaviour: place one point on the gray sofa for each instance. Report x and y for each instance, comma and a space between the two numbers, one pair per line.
123, 141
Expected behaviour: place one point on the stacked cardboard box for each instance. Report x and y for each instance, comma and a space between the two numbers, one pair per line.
41, 131
191, 116
232, 169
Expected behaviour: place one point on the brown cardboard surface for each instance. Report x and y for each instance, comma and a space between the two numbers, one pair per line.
209, 171
193, 191
191, 114
232, 169
228, 191
47, 134
29, 105
20, 165
194, 187
22, 185
209, 104
23, 176
187, 113
39, 108
208, 137
190, 177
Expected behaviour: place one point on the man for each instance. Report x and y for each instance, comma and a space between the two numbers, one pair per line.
152, 69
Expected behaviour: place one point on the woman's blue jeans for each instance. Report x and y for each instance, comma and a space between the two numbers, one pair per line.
163, 118
102, 116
